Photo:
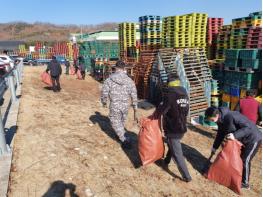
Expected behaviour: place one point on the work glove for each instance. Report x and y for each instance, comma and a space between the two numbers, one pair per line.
230, 136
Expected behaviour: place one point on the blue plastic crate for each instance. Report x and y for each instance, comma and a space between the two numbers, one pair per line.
234, 91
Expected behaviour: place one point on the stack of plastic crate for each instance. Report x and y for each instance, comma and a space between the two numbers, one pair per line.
254, 39
213, 27
242, 72
22, 50
127, 40
177, 31
223, 41
142, 72
150, 32
199, 25
150, 42
240, 31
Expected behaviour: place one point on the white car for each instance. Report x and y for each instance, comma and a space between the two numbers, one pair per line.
7, 59
3, 67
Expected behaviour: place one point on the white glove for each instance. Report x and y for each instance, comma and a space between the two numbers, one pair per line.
230, 136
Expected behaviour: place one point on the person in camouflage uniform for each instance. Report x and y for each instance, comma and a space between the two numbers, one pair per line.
120, 89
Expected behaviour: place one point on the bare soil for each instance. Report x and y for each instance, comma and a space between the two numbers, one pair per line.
67, 136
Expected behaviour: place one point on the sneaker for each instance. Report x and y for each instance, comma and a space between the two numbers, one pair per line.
126, 144
245, 186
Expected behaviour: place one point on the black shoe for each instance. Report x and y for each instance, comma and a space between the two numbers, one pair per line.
187, 180
164, 164
167, 161
126, 145
245, 186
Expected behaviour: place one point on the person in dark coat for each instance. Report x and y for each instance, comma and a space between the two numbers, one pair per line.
233, 125
175, 109
82, 70
250, 107
67, 65
75, 65
55, 71
81, 66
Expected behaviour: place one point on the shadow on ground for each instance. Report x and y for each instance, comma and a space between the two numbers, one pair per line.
197, 160
201, 131
104, 123
61, 189
48, 88
9, 134
160, 163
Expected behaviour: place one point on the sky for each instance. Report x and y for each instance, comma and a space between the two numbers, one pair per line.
100, 11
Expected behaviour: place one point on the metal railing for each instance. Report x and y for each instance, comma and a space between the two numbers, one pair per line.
11, 80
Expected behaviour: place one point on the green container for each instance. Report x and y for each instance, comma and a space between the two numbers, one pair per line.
250, 63
232, 62
204, 122
249, 54
232, 53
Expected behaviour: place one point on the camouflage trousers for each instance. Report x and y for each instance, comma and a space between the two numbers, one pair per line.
117, 119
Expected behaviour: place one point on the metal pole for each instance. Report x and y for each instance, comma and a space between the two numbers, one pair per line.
21, 65
3, 145
12, 87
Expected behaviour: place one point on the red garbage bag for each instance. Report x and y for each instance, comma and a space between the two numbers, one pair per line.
72, 70
79, 76
151, 146
46, 78
228, 166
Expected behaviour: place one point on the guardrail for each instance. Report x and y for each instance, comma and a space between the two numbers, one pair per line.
11, 80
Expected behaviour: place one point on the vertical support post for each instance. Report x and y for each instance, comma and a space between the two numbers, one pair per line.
17, 77
12, 87
3, 146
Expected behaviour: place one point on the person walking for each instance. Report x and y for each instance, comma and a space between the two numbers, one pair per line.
174, 110
67, 65
119, 88
82, 70
75, 65
233, 125
55, 71
250, 107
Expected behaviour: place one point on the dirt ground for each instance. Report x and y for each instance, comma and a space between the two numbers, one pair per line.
65, 139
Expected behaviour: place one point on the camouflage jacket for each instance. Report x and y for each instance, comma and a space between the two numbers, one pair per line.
119, 88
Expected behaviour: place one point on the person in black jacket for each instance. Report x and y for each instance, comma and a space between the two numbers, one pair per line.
233, 125
175, 109
55, 71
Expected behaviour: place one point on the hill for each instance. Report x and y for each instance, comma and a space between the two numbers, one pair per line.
46, 32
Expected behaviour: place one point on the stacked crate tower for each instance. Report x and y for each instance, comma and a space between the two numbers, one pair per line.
213, 27
184, 31
127, 41
199, 24
241, 28
243, 63
177, 32
150, 42
223, 41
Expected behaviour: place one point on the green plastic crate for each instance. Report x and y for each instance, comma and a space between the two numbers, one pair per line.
249, 54
250, 63
231, 62
232, 53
